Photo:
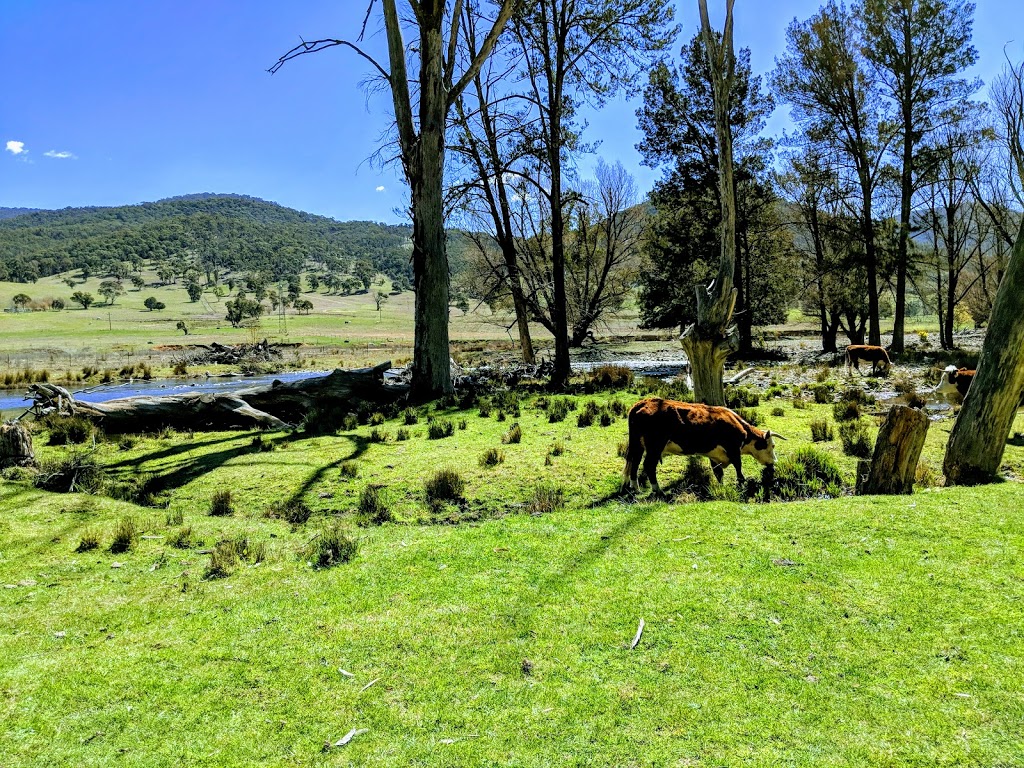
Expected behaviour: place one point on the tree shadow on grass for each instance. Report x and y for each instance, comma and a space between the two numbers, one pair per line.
359, 447
172, 451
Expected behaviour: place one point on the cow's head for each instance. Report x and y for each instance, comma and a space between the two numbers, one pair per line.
762, 447
947, 384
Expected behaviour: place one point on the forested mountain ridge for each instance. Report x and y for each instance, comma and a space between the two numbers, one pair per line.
213, 232
10, 213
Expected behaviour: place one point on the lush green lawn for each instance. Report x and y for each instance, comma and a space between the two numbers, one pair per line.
854, 631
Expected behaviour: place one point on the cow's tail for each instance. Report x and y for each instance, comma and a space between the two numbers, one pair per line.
634, 453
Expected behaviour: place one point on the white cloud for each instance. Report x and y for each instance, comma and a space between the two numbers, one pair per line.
16, 147
380, 188
59, 155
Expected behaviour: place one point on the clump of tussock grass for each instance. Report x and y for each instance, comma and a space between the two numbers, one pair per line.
546, 498
173, 518
373, 507
127, 442
444, 486
78, 472
349, 422
137, 489
799, 403
557, 448
807, 473
501, 416
221, 504
379, 435
778, 412
292, 511
260, 444
349, 469
611, 377
742, 397
401, 435
622, 449
182, 538
223, 560
928, 476
607, 419
126, 532
855, 438
821, 430
439, 429
847, 410
90, 540
330, 547
559, 408
376, 419
167, 433
514, 434
588, 414
462, 424
904, 384
492, 457
618, 408
751, 416
69, 430
410, 417
484, 406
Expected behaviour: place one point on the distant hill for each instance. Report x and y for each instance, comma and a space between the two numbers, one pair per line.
10, 213
227, 233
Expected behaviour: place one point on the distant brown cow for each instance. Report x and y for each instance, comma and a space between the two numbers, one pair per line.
869, 353
659, 426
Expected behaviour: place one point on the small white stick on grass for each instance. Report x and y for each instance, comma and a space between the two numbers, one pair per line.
372, 682
345, 672
349, 736
639, 633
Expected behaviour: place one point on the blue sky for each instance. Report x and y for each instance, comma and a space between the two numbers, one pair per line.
110, 102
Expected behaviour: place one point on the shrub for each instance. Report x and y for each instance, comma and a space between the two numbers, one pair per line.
612, 377
546, 498
821, 430
376, 419
182, 538
402, 435
331, 547
379, 435
492, 457
373, 508
90, 540
777, 412
349, 469
125, 534
846, 410
220, 503
440, 428
514, 434
855, 439
180, 368
349, 422
443, 486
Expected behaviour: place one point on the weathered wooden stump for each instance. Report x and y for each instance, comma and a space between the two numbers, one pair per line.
897, 450
15, 446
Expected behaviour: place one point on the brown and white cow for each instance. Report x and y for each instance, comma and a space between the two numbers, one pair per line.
868, 353
659, 426
954, 381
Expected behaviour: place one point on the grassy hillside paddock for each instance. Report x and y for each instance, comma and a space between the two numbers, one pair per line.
849, 631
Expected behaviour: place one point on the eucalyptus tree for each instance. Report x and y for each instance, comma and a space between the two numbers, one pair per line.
917, 49
421, 110
837, 102
978, 438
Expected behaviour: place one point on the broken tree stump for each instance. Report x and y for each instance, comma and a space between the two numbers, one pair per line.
15, 446
897, 450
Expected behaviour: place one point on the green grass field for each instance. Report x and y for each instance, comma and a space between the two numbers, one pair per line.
829, 632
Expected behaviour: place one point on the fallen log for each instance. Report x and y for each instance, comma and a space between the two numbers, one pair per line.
273, 407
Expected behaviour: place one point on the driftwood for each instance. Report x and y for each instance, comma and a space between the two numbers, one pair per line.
272, 407
894, 463
16, 446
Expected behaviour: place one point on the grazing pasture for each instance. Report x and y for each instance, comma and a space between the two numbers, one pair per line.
489, 621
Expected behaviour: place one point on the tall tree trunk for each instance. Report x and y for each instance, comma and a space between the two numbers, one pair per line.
871, 257
710, 340
978, 438
829, 332
902, 248
431, 369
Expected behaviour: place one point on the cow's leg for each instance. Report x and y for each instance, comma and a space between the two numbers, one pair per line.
718, 469
736, 459
654, 451
634, 453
